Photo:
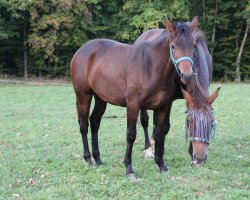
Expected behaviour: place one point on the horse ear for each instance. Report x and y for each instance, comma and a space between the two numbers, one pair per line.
169, 25
187, 96
194, 23
214, 95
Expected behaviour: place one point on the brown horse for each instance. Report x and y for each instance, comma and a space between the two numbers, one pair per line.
200, 119
138, 76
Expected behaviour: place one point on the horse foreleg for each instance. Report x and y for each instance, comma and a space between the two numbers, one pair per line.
95, 120
144, 118
132, 113
190, 150
162, 127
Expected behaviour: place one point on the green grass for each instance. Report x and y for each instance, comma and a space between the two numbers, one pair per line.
40, 141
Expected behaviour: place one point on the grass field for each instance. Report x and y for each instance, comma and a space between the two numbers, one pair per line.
41, 150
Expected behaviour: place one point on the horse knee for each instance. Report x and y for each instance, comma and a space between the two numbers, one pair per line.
83, 126
131, 136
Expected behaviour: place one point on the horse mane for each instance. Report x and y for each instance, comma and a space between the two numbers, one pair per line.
198, 34
200, 41
201, 114
195, 90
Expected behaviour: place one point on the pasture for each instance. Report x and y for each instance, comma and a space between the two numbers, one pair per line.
41, 150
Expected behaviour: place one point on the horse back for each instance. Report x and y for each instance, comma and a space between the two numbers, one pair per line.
102, 66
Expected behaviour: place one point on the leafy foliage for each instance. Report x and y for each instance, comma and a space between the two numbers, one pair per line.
56, 29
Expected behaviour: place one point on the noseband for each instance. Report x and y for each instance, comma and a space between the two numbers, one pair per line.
176, 62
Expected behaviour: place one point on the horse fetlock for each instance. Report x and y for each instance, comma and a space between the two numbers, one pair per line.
88, 159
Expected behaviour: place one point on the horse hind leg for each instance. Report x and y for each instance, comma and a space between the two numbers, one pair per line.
95, 120
144, 118
83, 105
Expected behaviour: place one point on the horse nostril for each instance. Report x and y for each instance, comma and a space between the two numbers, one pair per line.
200, 160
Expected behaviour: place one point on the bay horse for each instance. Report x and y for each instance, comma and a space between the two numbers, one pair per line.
200, 119
137, 76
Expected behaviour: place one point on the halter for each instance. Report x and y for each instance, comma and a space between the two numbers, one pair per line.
176, 62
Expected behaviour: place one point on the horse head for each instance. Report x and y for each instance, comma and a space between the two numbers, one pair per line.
200, 121
181, 46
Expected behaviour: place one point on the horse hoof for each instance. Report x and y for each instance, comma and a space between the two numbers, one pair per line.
149, 153
129, 171
164, 168
131, 175
98, 162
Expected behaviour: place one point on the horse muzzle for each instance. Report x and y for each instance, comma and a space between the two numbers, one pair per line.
199, 160
186, 79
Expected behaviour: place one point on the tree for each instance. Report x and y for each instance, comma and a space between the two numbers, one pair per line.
10, 35
39, 37
57, 29
238, 60
223, 29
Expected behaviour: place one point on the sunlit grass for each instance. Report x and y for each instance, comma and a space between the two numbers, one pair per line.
41, 150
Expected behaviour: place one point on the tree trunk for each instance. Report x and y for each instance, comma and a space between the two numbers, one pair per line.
203, 14
237, 75
214, 28
25, 56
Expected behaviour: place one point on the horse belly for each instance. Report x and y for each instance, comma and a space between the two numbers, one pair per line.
110, 95
109, 88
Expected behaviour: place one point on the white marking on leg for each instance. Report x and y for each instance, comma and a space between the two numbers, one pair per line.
149, 153
152, 143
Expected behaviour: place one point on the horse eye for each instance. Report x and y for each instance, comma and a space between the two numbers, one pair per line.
172, 46
194, 46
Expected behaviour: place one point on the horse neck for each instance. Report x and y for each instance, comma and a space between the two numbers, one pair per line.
162, 65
